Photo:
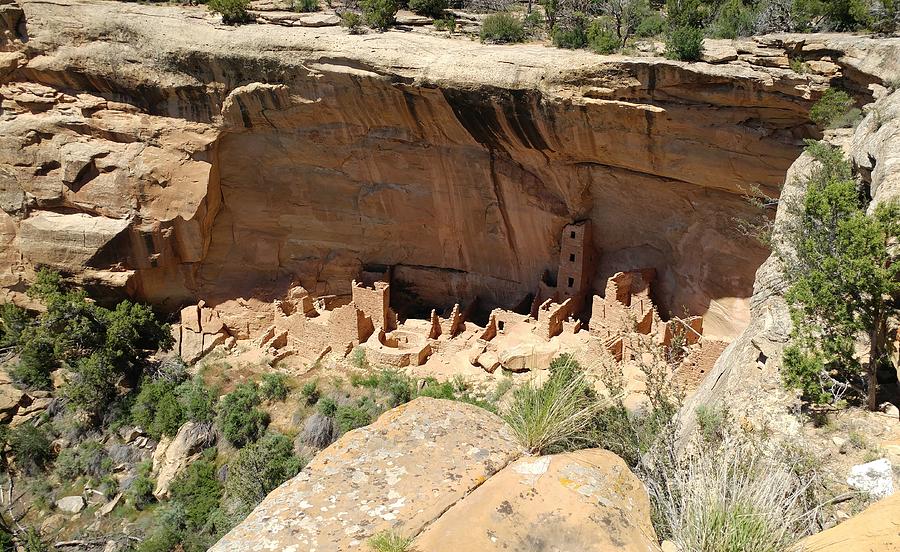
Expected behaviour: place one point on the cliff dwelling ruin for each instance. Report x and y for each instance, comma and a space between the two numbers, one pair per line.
563, 318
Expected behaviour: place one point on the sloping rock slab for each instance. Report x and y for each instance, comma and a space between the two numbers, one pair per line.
586, 501
876, 529
399, 473
171, 457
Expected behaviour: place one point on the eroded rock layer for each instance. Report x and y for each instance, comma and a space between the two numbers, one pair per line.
151, 149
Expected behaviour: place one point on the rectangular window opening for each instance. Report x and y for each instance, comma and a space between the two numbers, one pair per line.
572, 257
571, 282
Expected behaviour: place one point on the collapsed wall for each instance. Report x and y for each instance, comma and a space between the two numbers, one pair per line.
150, 150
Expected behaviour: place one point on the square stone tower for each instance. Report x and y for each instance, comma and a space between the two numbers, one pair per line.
576, 264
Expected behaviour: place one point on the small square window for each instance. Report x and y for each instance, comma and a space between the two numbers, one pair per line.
572, 257
572, 234
571, 282
500, 325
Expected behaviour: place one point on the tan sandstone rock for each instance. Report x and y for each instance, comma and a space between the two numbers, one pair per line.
231, 184
401, 473
171, 456
876, 529
582, 501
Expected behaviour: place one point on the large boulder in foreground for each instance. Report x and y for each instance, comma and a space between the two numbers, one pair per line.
451, 476
876, 529
400, 473
581, 501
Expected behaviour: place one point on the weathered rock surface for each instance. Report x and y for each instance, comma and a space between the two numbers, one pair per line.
875, 478
172, 455
10, 398
70, 504
446, 473
399, 473
876, 529
235, 160
585, 501
201, 329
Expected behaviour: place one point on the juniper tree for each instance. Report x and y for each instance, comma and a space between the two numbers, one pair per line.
842, 283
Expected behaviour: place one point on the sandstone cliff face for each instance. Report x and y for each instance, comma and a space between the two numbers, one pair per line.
150, 149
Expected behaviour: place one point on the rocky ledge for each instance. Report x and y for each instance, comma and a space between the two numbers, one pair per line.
449, 476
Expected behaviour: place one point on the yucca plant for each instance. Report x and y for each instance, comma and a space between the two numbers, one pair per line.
390, 541
557, 415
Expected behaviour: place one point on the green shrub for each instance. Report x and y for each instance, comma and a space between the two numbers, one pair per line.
358, 358
533, 23
305, 6
31, 447
233, 11
805, 371
687, 13
87, 459
379, 14
446, 24
274, 387
140, 493
13, 320
733, 19
261, 467
684, 44
37, 358
161, 406
156, 409
241, 422
572, 34
502, 28
601, 38
712, 423
197, 402
310, 392
352, 416
352, 21
436, 390
653, 24
431, 8
390, 541
31, 541
198, 492
99, 345
162, 540
327, 407
832, 109
399, 387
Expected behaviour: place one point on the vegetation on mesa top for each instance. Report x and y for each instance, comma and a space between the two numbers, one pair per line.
609, 26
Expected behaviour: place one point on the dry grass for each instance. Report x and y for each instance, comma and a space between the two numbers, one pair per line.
735, 497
